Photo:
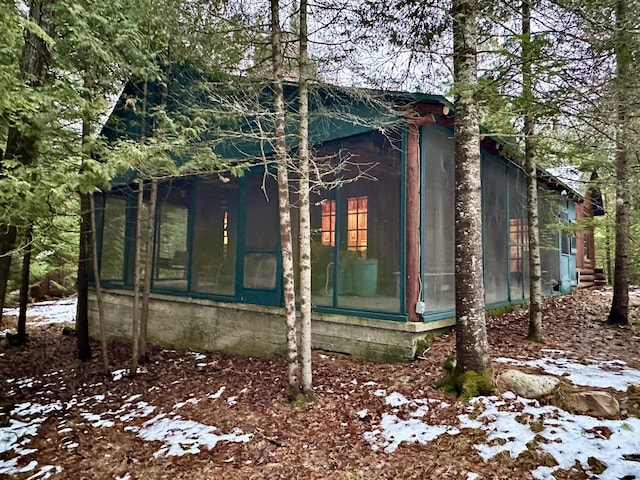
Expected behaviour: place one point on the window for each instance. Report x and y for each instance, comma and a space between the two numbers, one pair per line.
261, 238
495, 227
518, 235
113, 239
328, 223
357, 225
438, 254
517, 238
567, 241
356, 234
214, 236
171, 266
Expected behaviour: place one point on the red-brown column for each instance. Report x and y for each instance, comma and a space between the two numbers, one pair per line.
413, 221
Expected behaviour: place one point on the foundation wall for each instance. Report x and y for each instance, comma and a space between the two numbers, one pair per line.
198, 324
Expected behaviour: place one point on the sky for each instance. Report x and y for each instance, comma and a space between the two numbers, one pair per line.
564, 436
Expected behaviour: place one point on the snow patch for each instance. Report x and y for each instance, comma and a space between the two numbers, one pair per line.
181, 436
508, 422
597, 374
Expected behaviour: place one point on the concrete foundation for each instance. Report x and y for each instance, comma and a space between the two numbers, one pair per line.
200, 324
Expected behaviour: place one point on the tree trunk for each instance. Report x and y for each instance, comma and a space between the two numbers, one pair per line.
535, 270
148, 265
24, 286
82, 282
85, 250
23, 146
137, 259
8, 235
306, 383
136, 282
286, 247
607, 247
98, 287
472, 348
619, 314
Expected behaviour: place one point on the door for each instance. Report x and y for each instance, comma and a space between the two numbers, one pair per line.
568, 275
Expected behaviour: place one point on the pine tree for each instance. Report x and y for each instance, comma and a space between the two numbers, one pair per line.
619, 313
530, 166
473, 367
23, 138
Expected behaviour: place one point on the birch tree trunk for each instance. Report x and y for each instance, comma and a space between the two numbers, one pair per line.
472, 348
619, 313
535, 270
306, 383
136, 282
137, 258
148, 265
98, 287
286, 243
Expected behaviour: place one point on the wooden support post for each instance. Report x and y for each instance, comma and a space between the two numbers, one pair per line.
421, 114
412, 282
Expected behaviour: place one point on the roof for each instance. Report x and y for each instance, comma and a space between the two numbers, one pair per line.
236, 115
234, 122
581, 182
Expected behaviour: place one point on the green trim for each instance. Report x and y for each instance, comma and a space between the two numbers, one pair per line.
504, 305
433, 316
394, 317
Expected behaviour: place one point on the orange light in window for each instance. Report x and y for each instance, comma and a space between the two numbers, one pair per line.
328, 222
357, 210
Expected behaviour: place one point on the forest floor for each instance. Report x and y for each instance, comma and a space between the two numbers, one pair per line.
195, 416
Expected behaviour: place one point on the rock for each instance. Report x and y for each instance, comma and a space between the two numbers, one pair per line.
596, 404
529, 386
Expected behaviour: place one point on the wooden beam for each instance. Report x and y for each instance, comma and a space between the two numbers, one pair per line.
423, 113
434, 108
412, 280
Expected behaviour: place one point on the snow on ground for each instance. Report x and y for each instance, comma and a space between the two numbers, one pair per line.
597, 373
179, 436
55, 311
514, 425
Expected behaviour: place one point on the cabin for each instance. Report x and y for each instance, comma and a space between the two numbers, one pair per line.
382, 233
587, 272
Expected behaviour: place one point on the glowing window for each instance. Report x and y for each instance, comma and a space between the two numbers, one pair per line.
329, 222
518, 237
357, 225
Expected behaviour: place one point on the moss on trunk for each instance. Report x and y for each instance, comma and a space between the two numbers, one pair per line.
469, 384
